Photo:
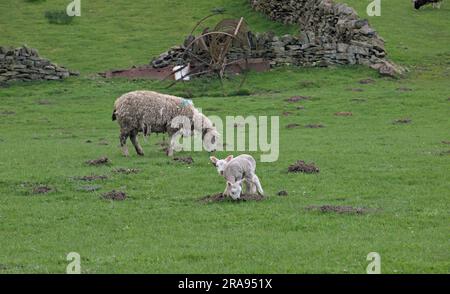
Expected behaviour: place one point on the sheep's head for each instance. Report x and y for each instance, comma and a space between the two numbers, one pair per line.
220, 163
234, 189
210, 136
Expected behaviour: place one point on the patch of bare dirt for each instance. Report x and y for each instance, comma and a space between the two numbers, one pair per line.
314, 126
302, 167
446, 142
283, 193
403, 121
115, 195
220, 198
126, 171
185, 160
404, 89
360, 100
91, 178
44, 102
338, 209
287, 113
100, 161
292, 126
367, 81
355, 89
42, 189
103, 142
343, 113
89, 188
297, 99
7, 112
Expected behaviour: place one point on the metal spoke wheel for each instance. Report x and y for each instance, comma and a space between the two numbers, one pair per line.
221, 53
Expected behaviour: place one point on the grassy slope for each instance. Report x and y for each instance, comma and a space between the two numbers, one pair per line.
365, 160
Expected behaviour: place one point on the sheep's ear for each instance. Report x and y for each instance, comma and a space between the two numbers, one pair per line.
229, 158
229, 184
213, 159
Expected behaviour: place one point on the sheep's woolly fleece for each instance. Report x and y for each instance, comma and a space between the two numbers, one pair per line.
150, 111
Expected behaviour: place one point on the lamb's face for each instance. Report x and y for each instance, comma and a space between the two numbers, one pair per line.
235, 190
220, 164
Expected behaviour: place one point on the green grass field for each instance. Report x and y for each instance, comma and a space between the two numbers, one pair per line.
400, 171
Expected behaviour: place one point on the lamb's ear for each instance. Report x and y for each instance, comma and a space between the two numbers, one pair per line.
213, 159
229, 184
229, 158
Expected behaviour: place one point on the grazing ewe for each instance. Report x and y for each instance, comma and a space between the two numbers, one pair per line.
420, 3
151, 112
238, 170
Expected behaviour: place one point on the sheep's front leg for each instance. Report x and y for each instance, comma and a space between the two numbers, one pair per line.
134, 140
123, 142
173, 142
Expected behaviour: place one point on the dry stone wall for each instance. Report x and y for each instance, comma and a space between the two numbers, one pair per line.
25, 64
330, 33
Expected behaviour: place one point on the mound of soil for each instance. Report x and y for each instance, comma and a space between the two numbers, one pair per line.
185, 160
91, 178
302, 167
403, 121
367, 81
115, 195
314, 126
292, 126
343, 113
42, 190
100, 161
126, 171
283, 193
338, 209
297, 99
220, 198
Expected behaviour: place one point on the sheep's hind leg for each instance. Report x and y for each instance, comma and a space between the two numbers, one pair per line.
256, 181
123, 142
134, 140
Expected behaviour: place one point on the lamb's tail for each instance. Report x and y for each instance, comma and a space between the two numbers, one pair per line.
114, 117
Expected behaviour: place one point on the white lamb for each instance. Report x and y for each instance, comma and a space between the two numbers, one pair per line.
238, 170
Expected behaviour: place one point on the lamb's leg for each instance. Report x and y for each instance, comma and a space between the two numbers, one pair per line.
256, 181
250, 187
134, 140
123, 142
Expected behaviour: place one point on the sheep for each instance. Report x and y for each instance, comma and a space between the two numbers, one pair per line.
151, 112
238, 170
420, 3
